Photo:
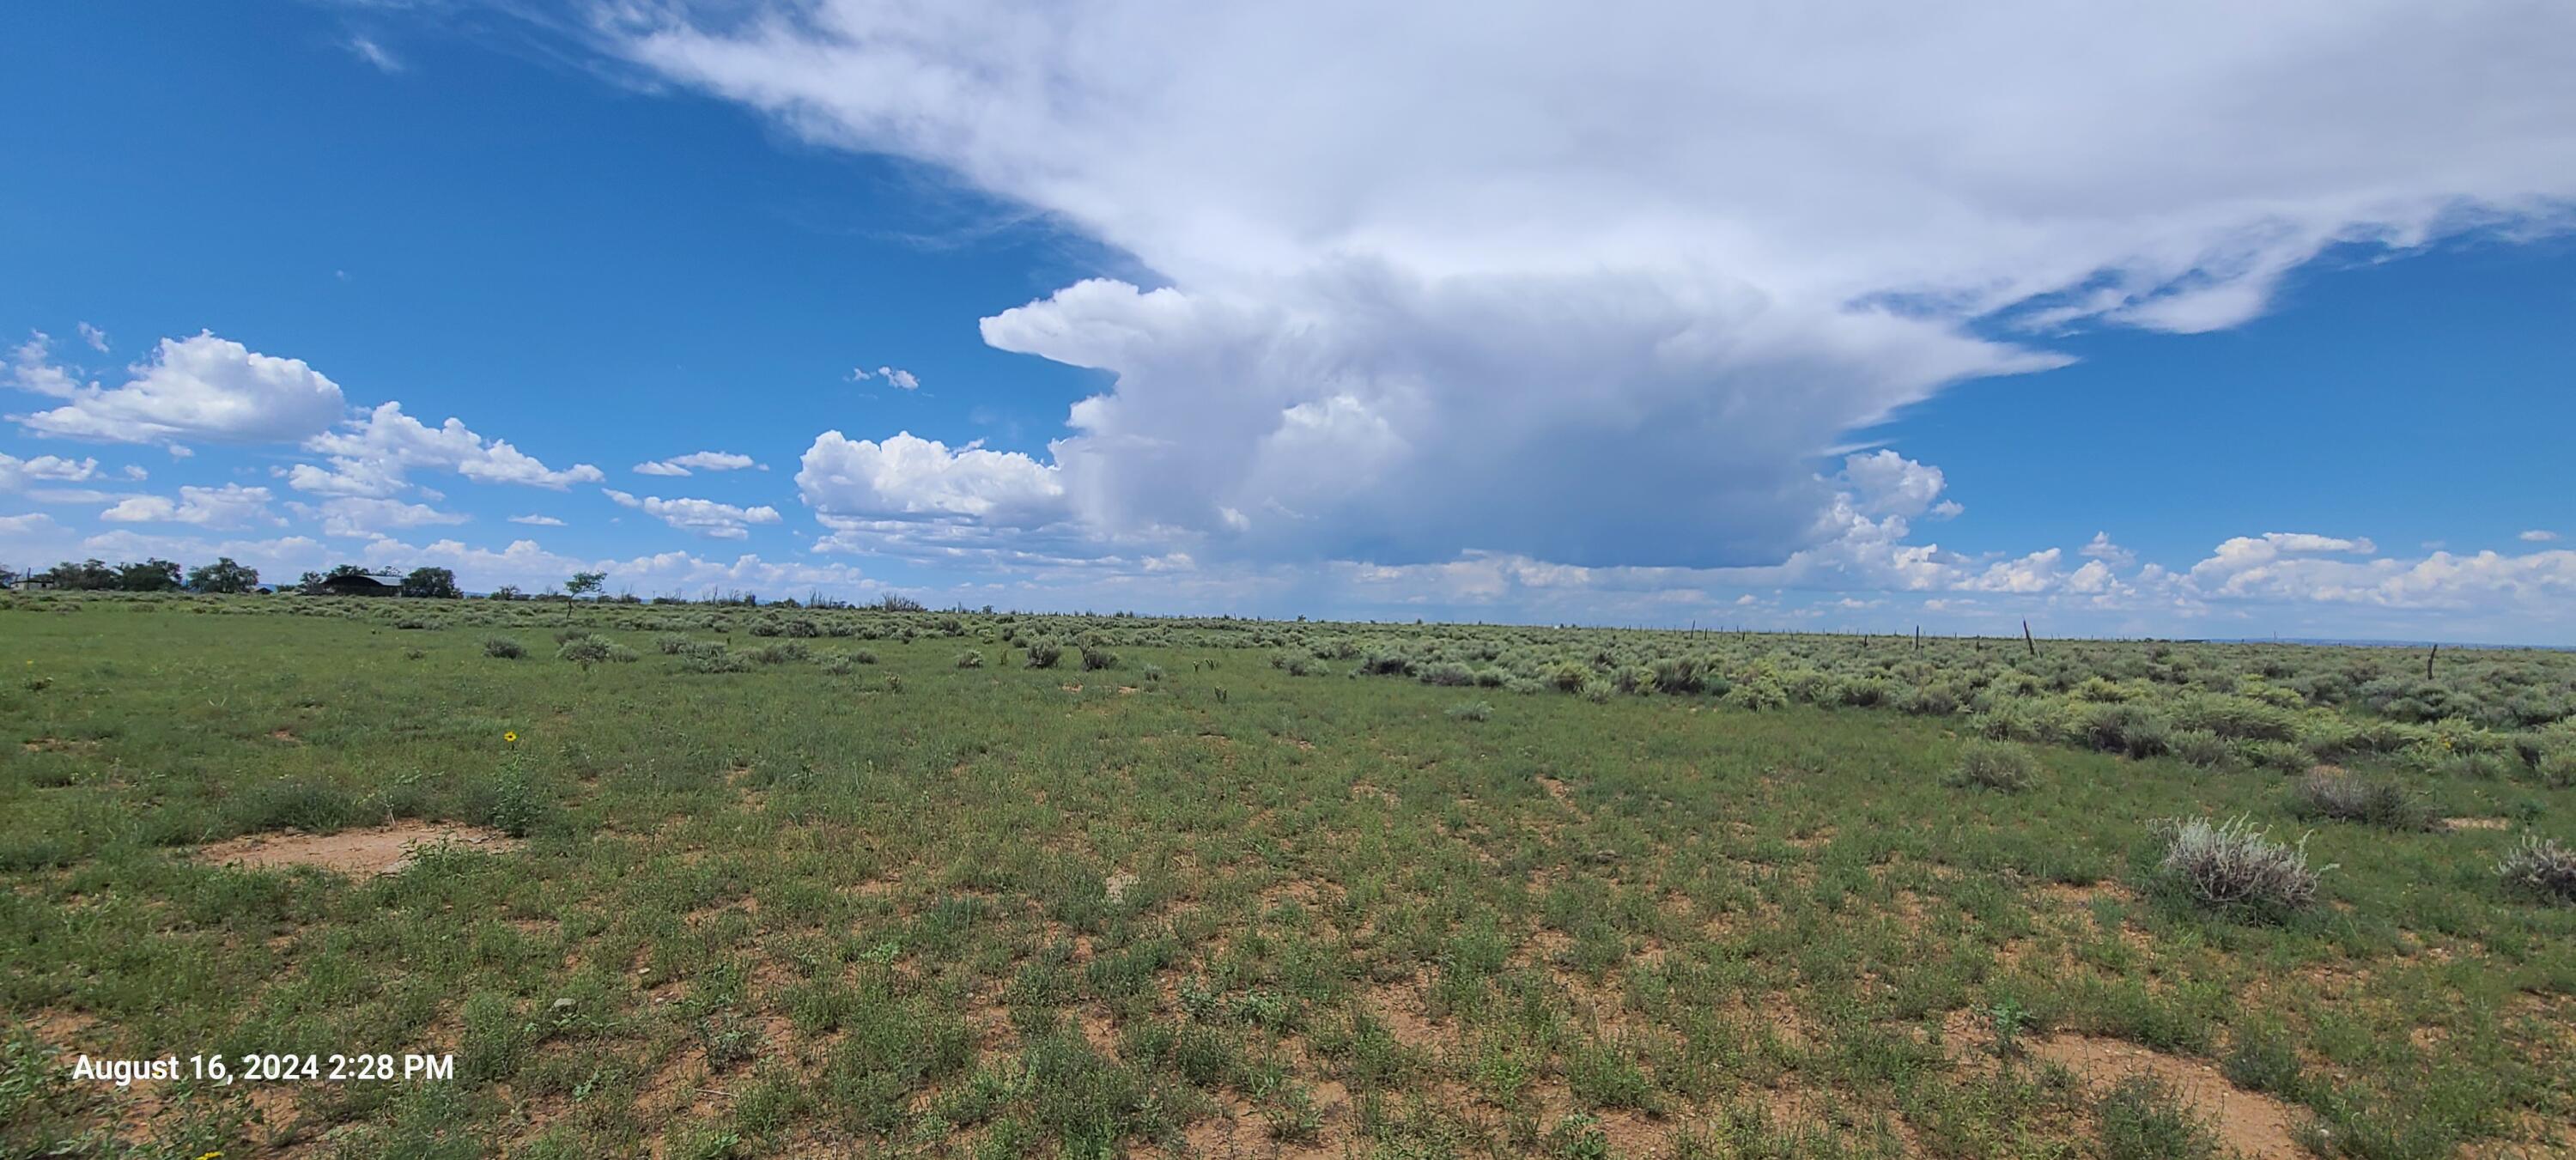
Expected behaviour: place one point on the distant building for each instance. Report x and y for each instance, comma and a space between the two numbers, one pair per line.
359, 585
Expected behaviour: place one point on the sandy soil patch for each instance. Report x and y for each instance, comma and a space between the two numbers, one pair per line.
2254, 1126
374, 850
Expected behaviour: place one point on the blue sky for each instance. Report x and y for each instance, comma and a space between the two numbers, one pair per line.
1553, 325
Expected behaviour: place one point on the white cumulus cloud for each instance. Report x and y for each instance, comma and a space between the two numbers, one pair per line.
16, 473
203, 388
364, 517
910, 478
897, 377
697, 461
1603, 287
722, 521
229, 506
370, 456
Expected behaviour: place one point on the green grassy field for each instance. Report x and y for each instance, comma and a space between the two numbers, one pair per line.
800, 881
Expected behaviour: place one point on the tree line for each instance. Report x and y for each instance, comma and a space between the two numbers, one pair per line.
225, 575
229, 576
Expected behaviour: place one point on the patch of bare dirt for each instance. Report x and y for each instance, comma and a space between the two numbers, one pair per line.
63, 1029
59, 745
2082, 897
2254, 1126
1556, 789
374, 850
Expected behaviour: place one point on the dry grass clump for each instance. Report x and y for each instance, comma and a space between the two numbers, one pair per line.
2332, 793
2541, 868
2235, 865
1997, 765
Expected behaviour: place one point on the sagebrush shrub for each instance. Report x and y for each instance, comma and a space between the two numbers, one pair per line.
2541, 868
2332, 793
504, 648
591, 650
2127, 729
2200, 747
1471, 711
1999, 765
1928, 701
1094, 659
1043, 654
2279, 756
2235, 865
1449, 674
712, 660
971, 659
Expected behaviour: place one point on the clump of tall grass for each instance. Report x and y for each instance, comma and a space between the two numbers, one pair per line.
2142, 1118
2235, 865
1997, 765
2540, 868
2332, 793
1471, 711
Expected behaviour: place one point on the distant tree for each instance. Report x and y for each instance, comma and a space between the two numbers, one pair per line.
309, 584
583, 583
507, 592
222, 576
898, 602
436, 583
87, 576
149, 576
340, 570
